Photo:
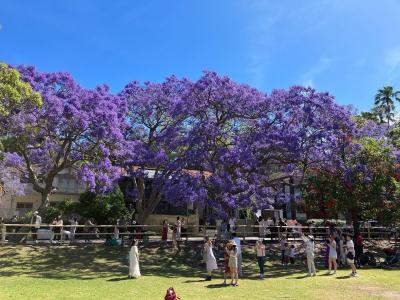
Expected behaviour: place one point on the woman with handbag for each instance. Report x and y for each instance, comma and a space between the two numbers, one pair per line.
350, 255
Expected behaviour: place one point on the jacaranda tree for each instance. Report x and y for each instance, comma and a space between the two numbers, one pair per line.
157, 120
75, 128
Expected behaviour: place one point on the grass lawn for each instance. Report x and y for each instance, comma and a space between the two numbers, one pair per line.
99, 272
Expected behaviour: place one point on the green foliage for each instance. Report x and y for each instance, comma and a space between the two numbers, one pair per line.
384, 104
103, 208
63, 208
370, 192
14, 93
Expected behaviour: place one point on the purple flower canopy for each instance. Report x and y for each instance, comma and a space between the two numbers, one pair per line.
247, 141
212, 141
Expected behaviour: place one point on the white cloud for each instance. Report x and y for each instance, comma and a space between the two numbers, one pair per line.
392, 63
259, 39
308, 77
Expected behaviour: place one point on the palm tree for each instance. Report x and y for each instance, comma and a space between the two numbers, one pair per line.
384, 104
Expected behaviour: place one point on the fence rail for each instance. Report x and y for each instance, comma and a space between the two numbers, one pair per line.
188, 232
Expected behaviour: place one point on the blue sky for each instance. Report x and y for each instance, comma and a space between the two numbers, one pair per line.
347, 47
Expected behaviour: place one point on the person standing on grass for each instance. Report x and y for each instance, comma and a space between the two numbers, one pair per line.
332, 255
133, 258
74, 223
286, 255
309, 249
282, 243
175, 242
327, 250
292, 254
239, 252
164, 234
36, 220
350, 255
359, 248
178, 225
227, 271
211, 262
233, 263
260, 251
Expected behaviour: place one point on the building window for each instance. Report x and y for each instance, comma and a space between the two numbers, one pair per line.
165, 208
24, 207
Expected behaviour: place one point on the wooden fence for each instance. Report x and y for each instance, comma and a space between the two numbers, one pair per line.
22, 232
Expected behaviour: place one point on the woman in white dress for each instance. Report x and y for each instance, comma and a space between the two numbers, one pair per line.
233, 263
332, 255
133, 258
211, 262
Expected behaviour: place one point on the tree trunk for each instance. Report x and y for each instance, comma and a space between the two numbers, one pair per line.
45, 200
354, 219
148, 206
293, 205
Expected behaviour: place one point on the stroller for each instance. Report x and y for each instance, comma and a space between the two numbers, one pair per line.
392, 257
367, 259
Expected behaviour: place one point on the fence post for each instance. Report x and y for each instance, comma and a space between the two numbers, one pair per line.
244, 232
3, 234
369, 233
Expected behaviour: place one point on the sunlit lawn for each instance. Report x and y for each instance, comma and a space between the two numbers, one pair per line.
99, 272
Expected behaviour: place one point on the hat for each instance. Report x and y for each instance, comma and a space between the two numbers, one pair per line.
310, 237
232, 243
35, 212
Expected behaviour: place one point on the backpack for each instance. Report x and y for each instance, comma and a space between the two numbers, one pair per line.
171, 295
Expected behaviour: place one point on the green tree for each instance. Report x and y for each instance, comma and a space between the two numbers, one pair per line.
384, 103
15, 94
104, 208
363, 188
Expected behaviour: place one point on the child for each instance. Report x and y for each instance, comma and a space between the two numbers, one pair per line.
134, 270
286, 252
211, 262
309, 245
260, 251
351, 253
292, 253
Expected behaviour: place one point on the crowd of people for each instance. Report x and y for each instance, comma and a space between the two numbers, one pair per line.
233, 263
341, 247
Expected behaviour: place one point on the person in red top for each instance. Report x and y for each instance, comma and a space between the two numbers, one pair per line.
164, 236
359, 248
227, 270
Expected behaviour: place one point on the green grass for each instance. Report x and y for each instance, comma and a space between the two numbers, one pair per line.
99, 272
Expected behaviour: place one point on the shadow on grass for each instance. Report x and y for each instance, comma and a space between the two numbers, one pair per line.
88, 262
192, 281
343, 277
119, 279
217, 286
